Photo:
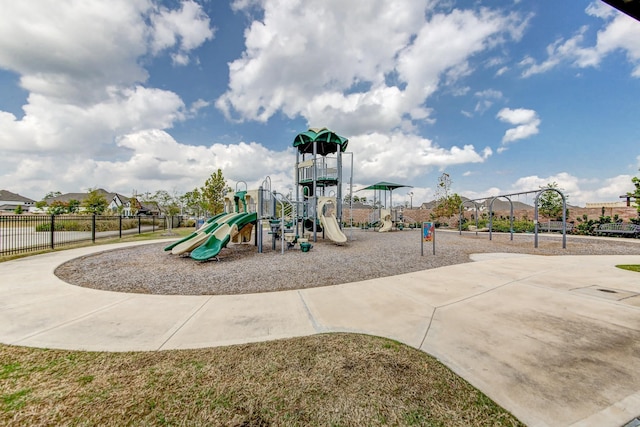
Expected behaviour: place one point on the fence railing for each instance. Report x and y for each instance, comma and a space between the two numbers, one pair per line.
27, 233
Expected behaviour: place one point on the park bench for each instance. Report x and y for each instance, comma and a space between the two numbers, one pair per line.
618, 228
550, 226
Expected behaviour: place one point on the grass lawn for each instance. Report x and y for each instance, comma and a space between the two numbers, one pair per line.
330, 379
630, 267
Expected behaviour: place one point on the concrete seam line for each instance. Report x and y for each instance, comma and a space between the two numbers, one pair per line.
316, 327
196, 311
68, 322
424, 338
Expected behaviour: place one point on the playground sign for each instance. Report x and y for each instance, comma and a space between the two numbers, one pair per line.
428, 235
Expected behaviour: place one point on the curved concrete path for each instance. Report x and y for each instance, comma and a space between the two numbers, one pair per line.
554, 340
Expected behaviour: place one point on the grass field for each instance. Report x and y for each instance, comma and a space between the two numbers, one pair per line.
331, 379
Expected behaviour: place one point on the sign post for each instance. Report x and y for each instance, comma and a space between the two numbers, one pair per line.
428, 235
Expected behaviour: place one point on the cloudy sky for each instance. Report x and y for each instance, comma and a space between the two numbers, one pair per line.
141, 95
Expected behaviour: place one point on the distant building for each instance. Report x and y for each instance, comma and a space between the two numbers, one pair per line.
9, 201
595, 205
117, 203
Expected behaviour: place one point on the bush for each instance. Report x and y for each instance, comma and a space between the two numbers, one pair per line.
111, 224
502, 225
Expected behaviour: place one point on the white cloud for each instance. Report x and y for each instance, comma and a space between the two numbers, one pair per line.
80, 61
374, 74
486, 100
578, 191
380, 154
190, 25
620, 33
152, 160
526, 124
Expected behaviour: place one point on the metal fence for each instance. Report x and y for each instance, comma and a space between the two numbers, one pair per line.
27, 233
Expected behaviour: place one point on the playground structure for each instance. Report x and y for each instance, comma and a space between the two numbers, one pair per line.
537, 193
318, 169
315, 209
386, 218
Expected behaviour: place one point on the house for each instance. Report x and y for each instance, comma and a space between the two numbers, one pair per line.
117, 203
142, 207
9, 202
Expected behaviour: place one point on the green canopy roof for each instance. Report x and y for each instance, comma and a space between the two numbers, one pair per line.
327, 142
383, 185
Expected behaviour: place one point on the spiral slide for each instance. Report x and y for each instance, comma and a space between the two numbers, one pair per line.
329, 222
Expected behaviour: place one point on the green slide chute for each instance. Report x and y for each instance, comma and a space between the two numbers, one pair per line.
207, 227
221, 236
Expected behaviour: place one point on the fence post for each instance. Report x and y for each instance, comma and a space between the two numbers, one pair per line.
53, 227
120, 225
139, 224
93, 228
153, 223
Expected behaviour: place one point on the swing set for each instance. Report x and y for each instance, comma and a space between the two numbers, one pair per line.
538, 193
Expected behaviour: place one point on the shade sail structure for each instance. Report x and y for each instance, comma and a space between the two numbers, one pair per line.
384, 185
327, 142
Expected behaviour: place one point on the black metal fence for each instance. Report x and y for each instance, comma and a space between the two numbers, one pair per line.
26, 233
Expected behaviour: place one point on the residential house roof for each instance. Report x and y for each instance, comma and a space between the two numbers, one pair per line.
8, 196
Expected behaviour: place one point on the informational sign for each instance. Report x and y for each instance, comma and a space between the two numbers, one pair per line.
428, 235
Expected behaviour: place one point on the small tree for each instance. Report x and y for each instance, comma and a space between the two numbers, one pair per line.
447, 204
73, 206
193, 202
18, 210
51, 195
58, 207
133, 206
41, 205
167, 202
213, 192
169, 205
95, 202
550, 202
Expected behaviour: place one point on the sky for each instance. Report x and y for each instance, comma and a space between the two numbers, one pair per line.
136, 96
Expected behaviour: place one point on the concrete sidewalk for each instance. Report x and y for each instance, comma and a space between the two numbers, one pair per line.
554, 340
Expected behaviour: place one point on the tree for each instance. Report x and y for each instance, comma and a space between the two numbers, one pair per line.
167, 202
51, 195
18, 210
95, 202
58, 207
42, 204
550, 202
133, 205
447, 204
73, 206
213, 192
193, 202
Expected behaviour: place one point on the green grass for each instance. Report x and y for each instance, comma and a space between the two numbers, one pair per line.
330, 379
630, 267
